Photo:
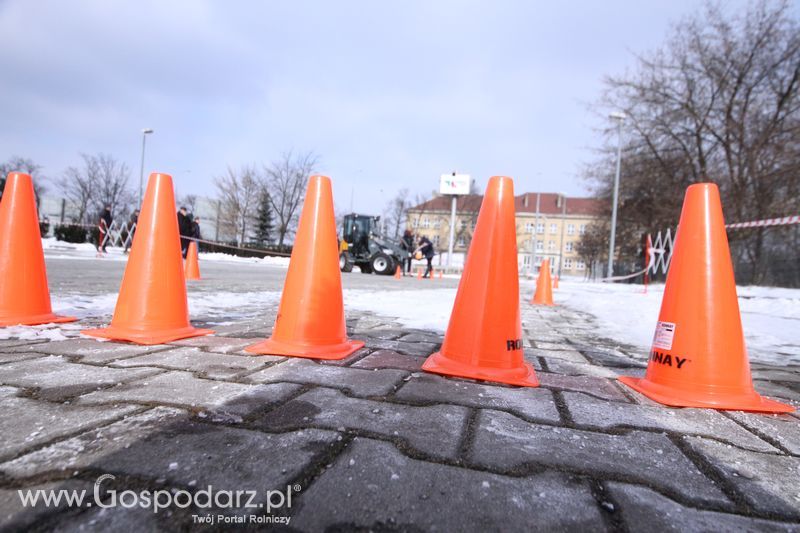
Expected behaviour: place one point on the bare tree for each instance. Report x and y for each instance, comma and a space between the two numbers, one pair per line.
286, 180
27, 166
238, 193
395, 213
189, 201
111, 183
718, 102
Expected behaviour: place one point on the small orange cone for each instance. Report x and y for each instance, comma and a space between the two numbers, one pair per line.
432, 273
192, 266
310, 321
698, 357
555, 282
544, 291
419, 273
24, 296
440, 274
151, 306
484, 337
397, 273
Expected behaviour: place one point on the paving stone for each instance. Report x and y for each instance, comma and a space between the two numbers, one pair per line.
593, 413
215, 344
373, 487
14, 516
598, 387
503, 441
434, 430
430, 338
360, 382
11, 343
770, 483
548, 346
118, 518
91, 350
561, 366
420, 349
778, 391
781, 428
382, 334
8, 392
16, 357
390, 359
58, 379
643, 508
347, 361
190, 454
568, 355
527, 402
182, 389
25, 423
211, 365
777, 375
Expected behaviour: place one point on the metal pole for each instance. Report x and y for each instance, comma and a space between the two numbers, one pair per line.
452, 229
563, 223
141, 170
535, 233
615, 200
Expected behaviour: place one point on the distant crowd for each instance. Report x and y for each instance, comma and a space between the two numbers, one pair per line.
188, 227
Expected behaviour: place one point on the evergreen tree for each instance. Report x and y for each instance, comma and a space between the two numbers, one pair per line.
264, 224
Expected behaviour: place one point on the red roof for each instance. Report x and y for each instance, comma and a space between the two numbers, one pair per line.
549, 204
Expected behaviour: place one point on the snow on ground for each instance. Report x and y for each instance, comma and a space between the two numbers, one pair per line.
770, 316
429, 309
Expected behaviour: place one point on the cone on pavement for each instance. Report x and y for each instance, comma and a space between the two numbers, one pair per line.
432, 273
397, 273
152, 306
192, 266
698, 356
555, 282
544, 290
419, 273
24, 295
310, 321
484, 337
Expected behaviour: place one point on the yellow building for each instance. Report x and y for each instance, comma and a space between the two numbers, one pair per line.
549, 225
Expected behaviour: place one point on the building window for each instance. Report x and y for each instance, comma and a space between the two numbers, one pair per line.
568, 264
526, 261
568, 246
570, 229
551, 246
553, 229
426, 223
416, 223
529, 227
580, 265
461, 242
436, 223
436, 240
463, 225
540, 227
539, 246
582, 229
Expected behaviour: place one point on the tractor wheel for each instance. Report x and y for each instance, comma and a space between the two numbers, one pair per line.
365, 268
382, 264
345, 265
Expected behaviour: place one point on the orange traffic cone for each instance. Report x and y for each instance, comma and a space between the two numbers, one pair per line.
397, 273
432, 273
151, 306
419, 273
544, 291
698, 357
555, 282
484, 337
192, 266
24, 296
440, 274
310, 321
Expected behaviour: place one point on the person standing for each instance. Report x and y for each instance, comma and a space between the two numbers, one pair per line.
426, 247
103, 225
196, 229
184, 228
407, 244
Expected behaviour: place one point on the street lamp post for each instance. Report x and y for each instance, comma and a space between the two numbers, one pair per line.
145, 133
620, 118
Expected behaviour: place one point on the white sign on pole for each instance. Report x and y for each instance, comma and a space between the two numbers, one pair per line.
454, 184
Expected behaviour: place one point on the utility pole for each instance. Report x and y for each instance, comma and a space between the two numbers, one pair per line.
620, 118
145, 133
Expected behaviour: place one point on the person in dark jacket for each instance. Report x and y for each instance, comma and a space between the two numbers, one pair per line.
196, 228
184, 228
407, 244
426, 247
103, 225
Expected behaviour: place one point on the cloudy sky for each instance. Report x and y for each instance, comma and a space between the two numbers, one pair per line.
388, 94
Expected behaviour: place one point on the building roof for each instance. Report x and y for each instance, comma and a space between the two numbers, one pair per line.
550, 203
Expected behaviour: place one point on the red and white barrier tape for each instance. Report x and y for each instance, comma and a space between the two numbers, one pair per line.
783, 221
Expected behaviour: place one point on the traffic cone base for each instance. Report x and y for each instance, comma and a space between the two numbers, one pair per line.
330, 352
47, 318
710, 398
523, 375
147, 337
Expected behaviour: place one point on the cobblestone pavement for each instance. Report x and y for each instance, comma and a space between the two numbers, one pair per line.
373, 443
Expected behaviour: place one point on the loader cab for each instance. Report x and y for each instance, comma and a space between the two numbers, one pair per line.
356, 231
